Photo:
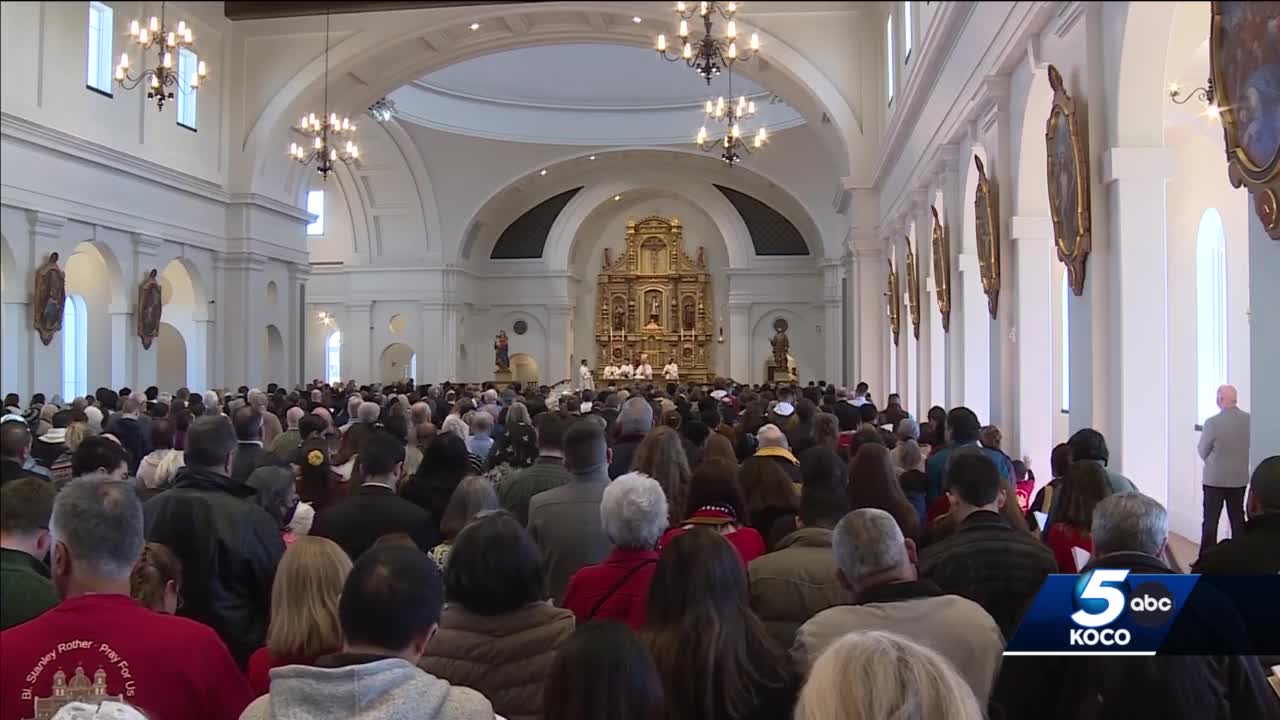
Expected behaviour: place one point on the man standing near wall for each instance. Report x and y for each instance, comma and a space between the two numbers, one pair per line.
1224, 447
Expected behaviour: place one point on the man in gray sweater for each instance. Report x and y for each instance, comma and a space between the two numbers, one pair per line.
565, 521
1224, 447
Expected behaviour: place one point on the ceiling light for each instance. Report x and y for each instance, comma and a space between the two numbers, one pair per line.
475, 26
616, 198
593, 157
636, 19
331, 136
168, 44
542, 172
709, 54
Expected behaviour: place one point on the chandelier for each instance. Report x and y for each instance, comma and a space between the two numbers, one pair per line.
165, 75
327, 131
731, 114
709, 54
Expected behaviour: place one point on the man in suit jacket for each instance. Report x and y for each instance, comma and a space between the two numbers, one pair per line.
250, 454
1224, 447
565, 521
375, 509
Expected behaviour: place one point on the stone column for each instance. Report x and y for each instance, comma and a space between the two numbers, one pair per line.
1136, 179
832, 303
1264, 341
296, 324
1032, 242
868, 277
357, 343
740, 342
975, 321
198, 367
240, 350
559, 343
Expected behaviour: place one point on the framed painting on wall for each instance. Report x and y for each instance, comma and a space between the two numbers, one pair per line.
913, 291
941, 270
895, 312
987, 228
1244, 61
1068, 178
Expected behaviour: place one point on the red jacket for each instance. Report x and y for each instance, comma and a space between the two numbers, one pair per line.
1061, 538
745, 540
623, 600
97, 647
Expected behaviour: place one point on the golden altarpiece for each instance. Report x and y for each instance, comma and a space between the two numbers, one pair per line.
655, 302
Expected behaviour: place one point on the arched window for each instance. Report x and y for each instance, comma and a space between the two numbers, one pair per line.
1211, 312
1065, 330
333, 357
75, 348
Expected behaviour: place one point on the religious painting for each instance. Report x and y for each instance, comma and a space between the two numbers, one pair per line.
150, 306
501, 352
653, 309
987, 228
913, 291
1068, 179
688, 314
49, 298
895, 317
941, 270
619, 318
1245, 64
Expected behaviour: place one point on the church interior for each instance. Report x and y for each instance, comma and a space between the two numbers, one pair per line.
1058, 214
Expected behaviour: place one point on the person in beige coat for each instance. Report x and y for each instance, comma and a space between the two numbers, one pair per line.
877, 565
498, 635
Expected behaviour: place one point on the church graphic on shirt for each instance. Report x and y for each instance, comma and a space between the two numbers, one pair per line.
77, 689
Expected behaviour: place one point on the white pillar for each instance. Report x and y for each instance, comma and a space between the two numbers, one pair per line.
559, 344
1264, 341
296, 324
739, 342
13, 355
869, 321
1136, 180
1032, 242
357, 343
832, 278
198, 352
977, 338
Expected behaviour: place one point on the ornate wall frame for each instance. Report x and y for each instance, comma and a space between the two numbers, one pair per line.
913, 291
895, 312
941, 270
1238, 53
1066, 148
986, 213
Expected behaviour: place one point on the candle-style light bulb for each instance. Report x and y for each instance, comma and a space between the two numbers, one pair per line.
346, 123
186, 36
755, 41
751, 108
736, 130
703, 9
710, 109
119, 73
733, 50
144, 37
680, 7
133, 29
733, 8
124, 60
182, 27
201, 69
684, 28
732, 30
319, 144
154, 24
662, 42
355, 152
170, 40
688, 51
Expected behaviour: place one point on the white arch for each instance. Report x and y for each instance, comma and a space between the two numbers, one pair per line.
378, 59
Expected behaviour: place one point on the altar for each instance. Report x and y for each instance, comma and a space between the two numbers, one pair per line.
655, 303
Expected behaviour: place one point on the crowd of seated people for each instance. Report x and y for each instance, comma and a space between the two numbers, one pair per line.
657, 551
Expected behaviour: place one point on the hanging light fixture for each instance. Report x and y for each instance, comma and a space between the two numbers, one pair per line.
730, 114
709, 54
162, 78
382, 109
1205, 95
331, 136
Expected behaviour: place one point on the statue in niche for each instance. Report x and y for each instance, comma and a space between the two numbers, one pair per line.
690, 315
619, 317
781, 346
150, 306
501, 353
653, 259
655, 307
49, 298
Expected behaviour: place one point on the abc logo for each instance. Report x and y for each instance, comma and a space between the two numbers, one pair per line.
1102, 597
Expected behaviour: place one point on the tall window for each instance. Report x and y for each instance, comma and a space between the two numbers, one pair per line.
893, 368
413, 368
75, 348
906, 32
333, 357
99, 48
1211, 312
890, 58
187, 61
315, 206
1065, 331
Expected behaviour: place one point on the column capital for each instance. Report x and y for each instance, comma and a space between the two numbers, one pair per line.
240, 261
299, 272
1137, 163
45, 225
868, 254
146, 245
356, 306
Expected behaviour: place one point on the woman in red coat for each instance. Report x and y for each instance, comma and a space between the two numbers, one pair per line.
1083, 488
716, 502
634, 513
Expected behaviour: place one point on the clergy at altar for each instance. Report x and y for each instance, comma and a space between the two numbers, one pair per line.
627, 371
671, 371
585, 380
612, 372
644, 371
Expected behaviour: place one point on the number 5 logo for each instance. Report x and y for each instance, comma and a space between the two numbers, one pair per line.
1100, 588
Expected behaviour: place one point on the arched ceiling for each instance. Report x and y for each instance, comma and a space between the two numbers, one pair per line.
618, 95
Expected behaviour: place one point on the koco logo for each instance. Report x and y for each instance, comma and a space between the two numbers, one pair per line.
1102, 596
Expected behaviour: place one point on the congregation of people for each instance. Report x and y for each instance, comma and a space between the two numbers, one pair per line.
645, 551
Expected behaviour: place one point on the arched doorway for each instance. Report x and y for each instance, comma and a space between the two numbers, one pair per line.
275, 371
524, 368
171, 359
397, 363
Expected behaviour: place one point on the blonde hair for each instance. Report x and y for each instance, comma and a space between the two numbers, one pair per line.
879, 676
304, 600
76, 433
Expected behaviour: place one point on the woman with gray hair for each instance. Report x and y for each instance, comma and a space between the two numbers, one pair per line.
875, 675
633, 512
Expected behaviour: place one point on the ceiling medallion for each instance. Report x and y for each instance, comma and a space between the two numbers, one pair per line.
709, 54
326, 131
171, 69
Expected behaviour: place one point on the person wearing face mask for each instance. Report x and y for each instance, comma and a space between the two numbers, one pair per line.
25, 588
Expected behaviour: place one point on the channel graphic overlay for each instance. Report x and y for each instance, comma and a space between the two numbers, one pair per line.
1110, 611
